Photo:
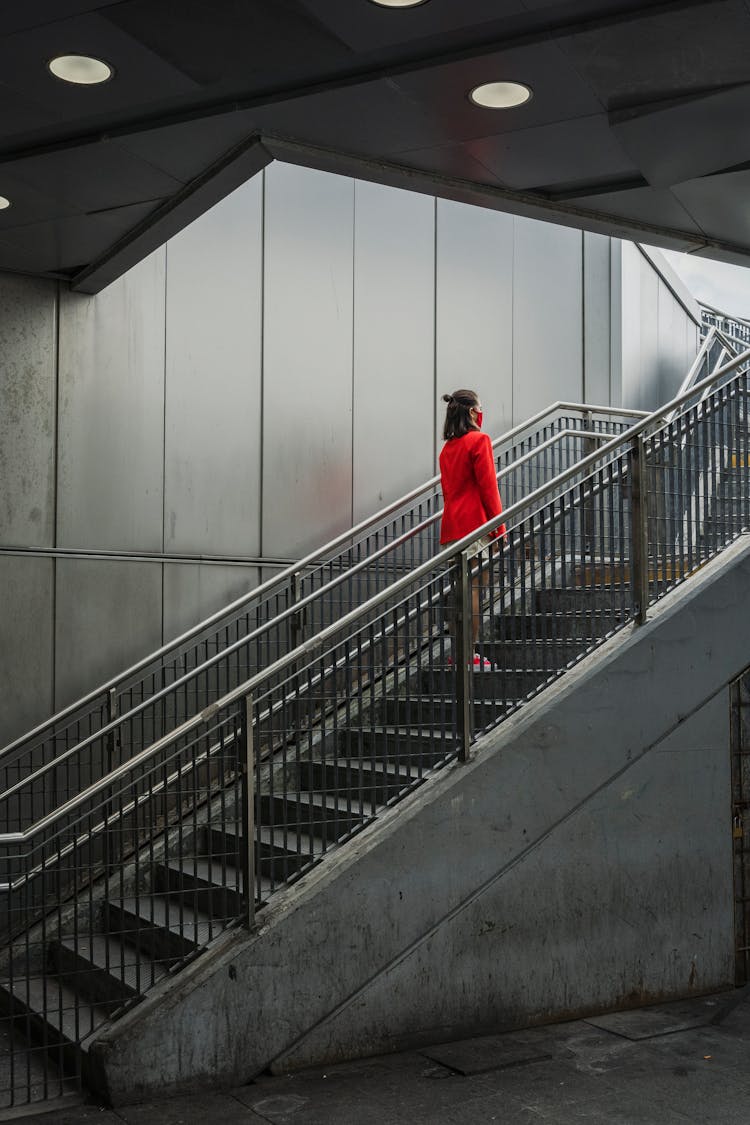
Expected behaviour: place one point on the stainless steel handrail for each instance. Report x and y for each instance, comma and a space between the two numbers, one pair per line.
282, 615
319, 554
317, 642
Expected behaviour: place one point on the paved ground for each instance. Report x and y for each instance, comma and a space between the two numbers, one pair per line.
667, 1065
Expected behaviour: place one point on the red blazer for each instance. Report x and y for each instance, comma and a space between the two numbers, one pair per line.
470, 492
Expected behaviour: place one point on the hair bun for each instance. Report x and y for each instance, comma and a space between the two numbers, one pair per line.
448, 398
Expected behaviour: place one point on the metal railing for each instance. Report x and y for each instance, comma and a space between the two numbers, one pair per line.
87, 740
135, 872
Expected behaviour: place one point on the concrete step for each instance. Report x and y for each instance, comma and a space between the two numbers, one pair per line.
163, 928
558, 626
312, 814
396, 744
540, 653
600, 599
376, 784
439, 710
502, 683
279, 855
212, 886
103, 969
48, 1010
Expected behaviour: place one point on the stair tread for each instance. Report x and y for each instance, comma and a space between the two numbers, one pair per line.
160, 910
59, 1005
118, 958
274, 837
316, 800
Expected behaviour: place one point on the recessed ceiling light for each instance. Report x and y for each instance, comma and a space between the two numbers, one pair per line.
500, 95
83, 70
4, 203
399, 3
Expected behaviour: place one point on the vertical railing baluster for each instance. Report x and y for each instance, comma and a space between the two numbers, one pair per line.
463, 654
639, 531
247, 773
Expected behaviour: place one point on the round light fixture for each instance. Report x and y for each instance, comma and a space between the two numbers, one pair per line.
4, 203
500, 95
399, 3
81, 70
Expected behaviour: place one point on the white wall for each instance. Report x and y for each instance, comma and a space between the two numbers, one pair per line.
271, 375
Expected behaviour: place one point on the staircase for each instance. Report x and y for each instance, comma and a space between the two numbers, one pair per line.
115, 884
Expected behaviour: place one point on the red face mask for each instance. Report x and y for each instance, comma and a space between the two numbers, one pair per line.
478, 418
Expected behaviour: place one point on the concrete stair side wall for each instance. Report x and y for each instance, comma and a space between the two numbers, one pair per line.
581, 862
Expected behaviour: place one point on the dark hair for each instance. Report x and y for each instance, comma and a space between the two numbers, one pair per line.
457, 418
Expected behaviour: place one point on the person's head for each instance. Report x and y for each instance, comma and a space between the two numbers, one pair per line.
464, 413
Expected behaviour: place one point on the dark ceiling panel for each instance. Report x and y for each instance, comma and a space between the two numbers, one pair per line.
710, 132
372, 119
645, 205
442, 93
719, 204
258, 40
207, 91
186, 150
92, 178
35, 13
672, 52
566, 152
452, 161
142, 77
57, 246
19, 115
29, 205
367, 27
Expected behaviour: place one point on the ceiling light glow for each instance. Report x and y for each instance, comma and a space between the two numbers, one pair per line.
500, 95
4, 203
82, 70
399, 3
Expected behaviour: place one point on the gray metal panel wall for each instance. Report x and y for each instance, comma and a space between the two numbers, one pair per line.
111, 426
659, 337
547, 316
213, 377
307, 376
671, 365
108, 616
474, 303
26, 607
194, 592
394, 332
630, 314
649, 316
27, 412
596, 319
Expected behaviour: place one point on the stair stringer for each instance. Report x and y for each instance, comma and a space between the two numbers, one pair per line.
582, 861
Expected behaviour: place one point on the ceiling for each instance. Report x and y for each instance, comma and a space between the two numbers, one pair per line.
639, 123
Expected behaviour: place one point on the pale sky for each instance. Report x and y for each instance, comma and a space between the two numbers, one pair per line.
724, 286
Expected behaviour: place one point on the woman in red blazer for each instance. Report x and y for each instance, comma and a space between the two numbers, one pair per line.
470, 493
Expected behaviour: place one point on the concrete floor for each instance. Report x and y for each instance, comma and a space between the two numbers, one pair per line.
687, 1062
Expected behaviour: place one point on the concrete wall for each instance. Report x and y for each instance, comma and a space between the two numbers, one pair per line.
242, 393
581, 862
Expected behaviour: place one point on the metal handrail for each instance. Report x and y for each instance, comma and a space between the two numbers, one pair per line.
298, 606
317, 642
288, 574
726, 315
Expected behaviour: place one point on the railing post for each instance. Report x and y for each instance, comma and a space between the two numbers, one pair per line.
463, 654
639, 530
297, 620
247, 843
112, 837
